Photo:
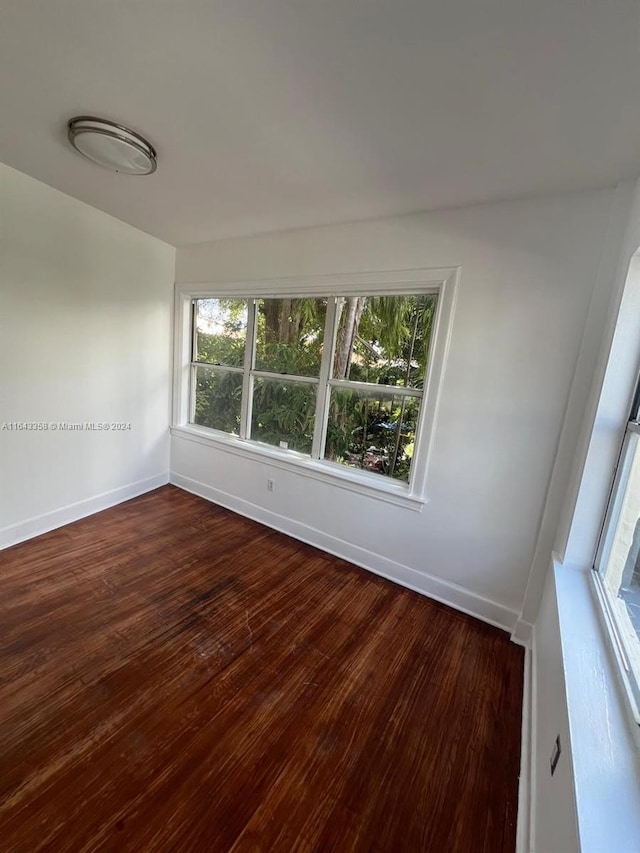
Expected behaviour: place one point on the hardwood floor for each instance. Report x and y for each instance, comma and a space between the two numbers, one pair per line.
176, 677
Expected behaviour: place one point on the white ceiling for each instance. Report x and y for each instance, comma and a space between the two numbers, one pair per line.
271, 114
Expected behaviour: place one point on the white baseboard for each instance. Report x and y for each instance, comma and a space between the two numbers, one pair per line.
522, 633
15, 533
523, 837
440, 590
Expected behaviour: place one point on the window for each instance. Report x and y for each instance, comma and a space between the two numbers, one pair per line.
618, 561
337, 379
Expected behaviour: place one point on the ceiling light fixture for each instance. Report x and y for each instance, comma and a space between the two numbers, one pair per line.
111, 145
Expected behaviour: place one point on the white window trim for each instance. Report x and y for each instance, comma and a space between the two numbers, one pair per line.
441, 281
615, 626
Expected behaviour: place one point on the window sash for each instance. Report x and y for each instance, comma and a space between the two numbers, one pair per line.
615, 500
222, 368
376, 388
618, 486
322, 398
618, 622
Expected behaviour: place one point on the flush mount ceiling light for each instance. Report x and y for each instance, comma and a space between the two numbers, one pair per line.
111, 145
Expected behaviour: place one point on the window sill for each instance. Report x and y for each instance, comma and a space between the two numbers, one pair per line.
360, 482
603, 746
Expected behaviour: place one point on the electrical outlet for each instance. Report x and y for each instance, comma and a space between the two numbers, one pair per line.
270, 486
555, 755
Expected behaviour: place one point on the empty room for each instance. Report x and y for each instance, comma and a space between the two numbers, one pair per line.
319, 426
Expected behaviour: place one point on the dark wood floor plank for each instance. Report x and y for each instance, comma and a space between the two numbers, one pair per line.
176, 677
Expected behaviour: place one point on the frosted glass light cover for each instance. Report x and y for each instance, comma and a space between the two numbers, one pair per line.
112, 146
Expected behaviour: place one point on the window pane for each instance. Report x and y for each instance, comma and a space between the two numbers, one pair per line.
290, 334
622, 569
221, 331
283, 413
374, 432
384, 339
218, 399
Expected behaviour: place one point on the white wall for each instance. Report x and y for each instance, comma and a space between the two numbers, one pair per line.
554, 828
610, 281
528, 271
577, 690
85, 326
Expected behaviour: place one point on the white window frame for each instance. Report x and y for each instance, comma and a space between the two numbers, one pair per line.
616, 625
441, 282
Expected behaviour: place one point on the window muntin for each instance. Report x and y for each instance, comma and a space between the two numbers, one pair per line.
337, 379
619, 556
